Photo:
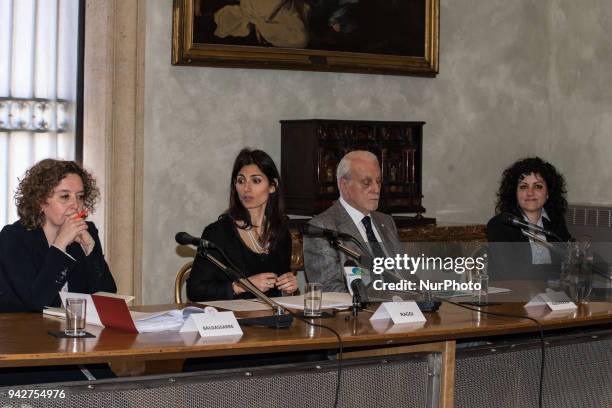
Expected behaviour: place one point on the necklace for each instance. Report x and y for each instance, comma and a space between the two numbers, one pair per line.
256, 243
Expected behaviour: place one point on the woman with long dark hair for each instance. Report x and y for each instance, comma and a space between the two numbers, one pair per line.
534, 191
252, 232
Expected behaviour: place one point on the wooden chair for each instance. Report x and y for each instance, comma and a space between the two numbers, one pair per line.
181, 277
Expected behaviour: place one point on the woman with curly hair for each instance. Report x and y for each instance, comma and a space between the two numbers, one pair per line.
533, 190
51, 247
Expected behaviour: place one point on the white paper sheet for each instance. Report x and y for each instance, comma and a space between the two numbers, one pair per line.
492, 290
127, 298
54, 311
239, 305
169, 320
330, 300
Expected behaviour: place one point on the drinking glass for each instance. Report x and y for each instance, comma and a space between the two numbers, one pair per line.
576, 272
480, 295
312, 300
75, 317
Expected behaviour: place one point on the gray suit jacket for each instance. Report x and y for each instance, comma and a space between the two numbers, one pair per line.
323, 264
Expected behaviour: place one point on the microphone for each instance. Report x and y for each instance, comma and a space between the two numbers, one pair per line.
515, 221
333, 238
318, 232
355, 284
359, 292
279, 320
183, 238
351, 272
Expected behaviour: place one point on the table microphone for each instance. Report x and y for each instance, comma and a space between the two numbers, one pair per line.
279, 320
334, 237
349, 274
183, 238
515, 221
319, 232
355, 284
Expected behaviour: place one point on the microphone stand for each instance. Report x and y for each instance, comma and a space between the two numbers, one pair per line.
335, 243
531, 234
425, 306
561, 252
525, 226
542, 241
280, 318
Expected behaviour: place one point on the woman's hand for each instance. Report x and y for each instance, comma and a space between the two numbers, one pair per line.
263, 281
287, 282
86, 241
69, 231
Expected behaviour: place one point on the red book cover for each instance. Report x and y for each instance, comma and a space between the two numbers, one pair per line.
114, 313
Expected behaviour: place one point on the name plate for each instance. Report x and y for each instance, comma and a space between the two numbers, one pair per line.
556, 301
213, 324
399, 312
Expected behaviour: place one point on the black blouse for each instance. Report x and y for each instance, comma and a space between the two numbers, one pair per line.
32, 272
207, 282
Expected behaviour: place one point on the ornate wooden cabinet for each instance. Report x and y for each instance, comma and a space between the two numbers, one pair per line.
311, 150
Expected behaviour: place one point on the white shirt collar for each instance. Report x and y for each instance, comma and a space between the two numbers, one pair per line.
540, 222
357, 216
354, 213
539, 253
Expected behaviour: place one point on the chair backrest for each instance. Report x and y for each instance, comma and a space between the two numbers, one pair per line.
181, 277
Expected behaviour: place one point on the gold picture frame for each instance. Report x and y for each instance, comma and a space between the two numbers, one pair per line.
362, 36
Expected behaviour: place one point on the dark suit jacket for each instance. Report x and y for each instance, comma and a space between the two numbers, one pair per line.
208, 282
514, 260
32, 273
323, 264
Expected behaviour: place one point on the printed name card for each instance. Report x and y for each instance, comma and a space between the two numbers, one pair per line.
212, 323
556, 301
399, 312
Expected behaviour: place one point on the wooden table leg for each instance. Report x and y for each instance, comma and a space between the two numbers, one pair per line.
445, 348
447, 390
127, 368
131, 368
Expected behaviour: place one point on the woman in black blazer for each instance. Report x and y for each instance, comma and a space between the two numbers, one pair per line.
51, 246
534, 191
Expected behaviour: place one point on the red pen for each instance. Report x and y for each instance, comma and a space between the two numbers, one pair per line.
81, 215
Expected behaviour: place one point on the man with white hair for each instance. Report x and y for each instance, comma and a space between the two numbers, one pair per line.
359, 182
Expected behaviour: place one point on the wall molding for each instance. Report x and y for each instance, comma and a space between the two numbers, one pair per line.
113, 140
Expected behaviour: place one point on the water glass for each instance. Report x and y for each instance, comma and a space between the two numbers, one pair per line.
75, 317
576, 280
480, 295
312, 300
576, 271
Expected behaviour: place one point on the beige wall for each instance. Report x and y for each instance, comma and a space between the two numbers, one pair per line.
113, 133
516, 78
581, 97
